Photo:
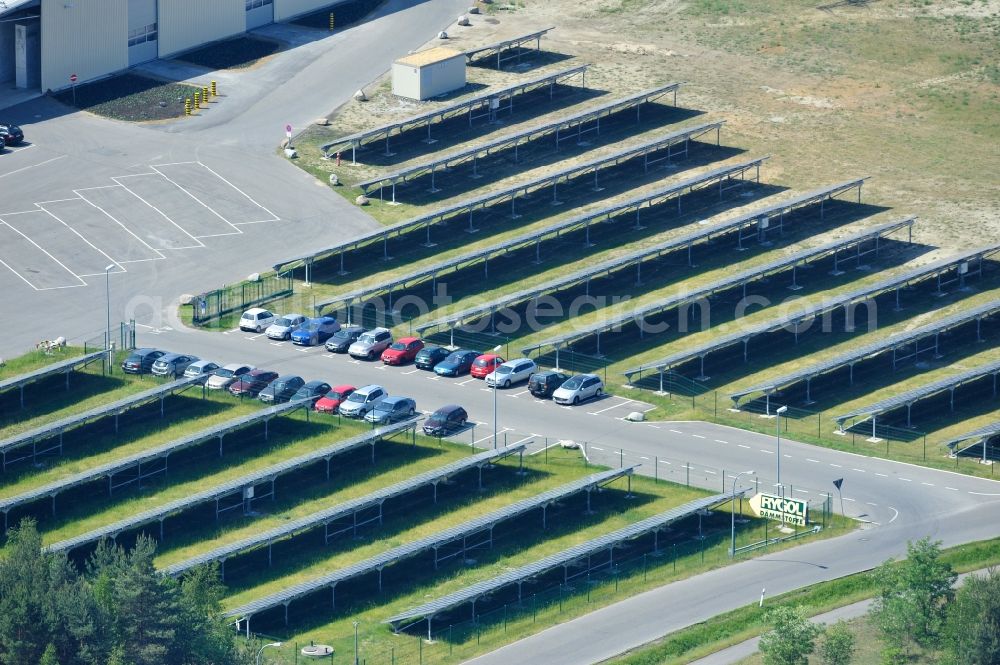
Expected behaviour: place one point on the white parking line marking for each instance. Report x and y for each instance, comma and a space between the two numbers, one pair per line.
462, 383
665, 462
412, 371
653, 426
523, 392
25, 168
205, 205
788, 456
711, 472
613, 406
645, 458
846, 499
596, 448
803, 491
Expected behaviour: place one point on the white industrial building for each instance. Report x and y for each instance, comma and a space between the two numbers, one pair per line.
43, 42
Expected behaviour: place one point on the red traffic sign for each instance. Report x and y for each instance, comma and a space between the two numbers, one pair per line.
72, 78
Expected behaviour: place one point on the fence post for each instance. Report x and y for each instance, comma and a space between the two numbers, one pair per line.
656, 470
687, 469
925, 447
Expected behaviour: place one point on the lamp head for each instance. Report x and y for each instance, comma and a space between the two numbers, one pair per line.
782, 409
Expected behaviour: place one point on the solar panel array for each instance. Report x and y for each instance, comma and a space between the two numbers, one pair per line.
565, 557
661, 194
510, 193
716, 175
424, 544
360, 138
514, 42
55, 428
112, 468
921, 392
49, 370
753, 273
231, 487
516, 138
875, 348
981, 434
347, 508
839, 300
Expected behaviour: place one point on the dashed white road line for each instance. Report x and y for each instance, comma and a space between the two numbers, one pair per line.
953, 489
769, 452
869, 503
711, 472
698, 436
836, 466
928, 484
720, 441
676, 431
742, 446
906, 480
596, 448
881, 475
847, 499
814, 461
859, 470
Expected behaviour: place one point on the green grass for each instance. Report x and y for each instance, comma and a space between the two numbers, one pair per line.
239, 53
742, 624
130, 97
33, 360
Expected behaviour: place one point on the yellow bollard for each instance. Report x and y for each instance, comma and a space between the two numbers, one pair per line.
204, 94
187, 106
215, 90
197, 99
331, 22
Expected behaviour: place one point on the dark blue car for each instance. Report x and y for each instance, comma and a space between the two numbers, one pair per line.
458, 363
315, 331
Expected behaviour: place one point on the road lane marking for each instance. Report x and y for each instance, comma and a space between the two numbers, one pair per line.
698, 436
655, 426
645, 458
983, 493
666, 462
895, 514
769, 452
859, 470
676, 431
869, 503
788, 456
814, 461
803, 491
720, 441
837, 466
928, 484
742, 446
882, 475
613, 406
953, 489
711, 472
906, 480
846, 499
596, 448
412, 371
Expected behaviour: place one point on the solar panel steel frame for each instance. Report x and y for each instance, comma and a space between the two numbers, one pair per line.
981, 435
271, 473
111, 469
564, 558
511, 193
892, 283
355, 141
515, 139
745, 277
352, 507
910, 397
720, 176
507, 44
66, 366
413, 548
657, 197
870, 350
59, 427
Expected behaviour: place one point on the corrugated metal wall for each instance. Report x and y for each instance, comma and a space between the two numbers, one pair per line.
88, 38
286, 9
185, 24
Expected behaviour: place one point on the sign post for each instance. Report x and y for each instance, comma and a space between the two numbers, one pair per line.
838, 483
72, 79
288, 133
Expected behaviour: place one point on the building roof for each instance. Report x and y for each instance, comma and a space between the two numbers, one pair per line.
429, 57
11, 6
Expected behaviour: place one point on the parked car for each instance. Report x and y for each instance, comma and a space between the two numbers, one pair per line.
392, 409
331, 401
172, 364
3, 144
511, 372
281, 389
429, 356
226, 375
578, 388
457, 363
371, 344
251, 383
11, 133
362, 400
141, 361
543, 384
402, 351
315, 331
343, 338
446, 420
485, 364
256, 320
284, 326
201, 368
312, 390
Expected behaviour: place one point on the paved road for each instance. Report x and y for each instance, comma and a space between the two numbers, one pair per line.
901, 502
177, 207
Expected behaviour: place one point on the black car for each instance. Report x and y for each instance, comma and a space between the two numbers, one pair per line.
250, 384
341, 340
429, 356
313, 389
11, 134
141, 361
281, 389
543, 384
446, 420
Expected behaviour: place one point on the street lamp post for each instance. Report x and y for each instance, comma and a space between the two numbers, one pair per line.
732, 550
107, 298
276, 645
777, 438
496, 349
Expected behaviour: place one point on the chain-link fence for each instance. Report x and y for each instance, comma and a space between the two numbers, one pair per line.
212, 305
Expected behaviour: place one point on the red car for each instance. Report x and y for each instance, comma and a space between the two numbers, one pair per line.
330, 402
402, 351
485, 364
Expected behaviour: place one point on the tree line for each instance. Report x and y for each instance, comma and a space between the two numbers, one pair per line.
118, 610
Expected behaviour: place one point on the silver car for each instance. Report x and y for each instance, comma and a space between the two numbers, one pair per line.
284, 326
226, 375
362, 400
511, 372
200, 368
578, 388
392, 409
173, 364
371, 344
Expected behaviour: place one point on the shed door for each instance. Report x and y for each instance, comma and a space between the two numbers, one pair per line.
142, 31
259, 12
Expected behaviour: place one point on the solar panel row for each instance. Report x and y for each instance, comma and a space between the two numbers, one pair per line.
436, 540
976, 437
49, 370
